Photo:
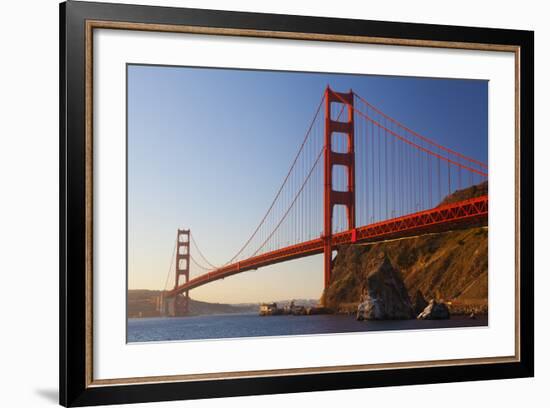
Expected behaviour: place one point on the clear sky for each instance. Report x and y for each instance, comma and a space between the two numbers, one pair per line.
208, 148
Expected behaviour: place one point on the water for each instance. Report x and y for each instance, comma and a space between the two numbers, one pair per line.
252, 325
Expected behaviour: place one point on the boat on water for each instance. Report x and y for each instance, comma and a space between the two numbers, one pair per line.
270, 309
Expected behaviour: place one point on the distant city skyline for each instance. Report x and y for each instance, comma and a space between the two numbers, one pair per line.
199, 138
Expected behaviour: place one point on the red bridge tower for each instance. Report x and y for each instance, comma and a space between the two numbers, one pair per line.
347, 159
181, 301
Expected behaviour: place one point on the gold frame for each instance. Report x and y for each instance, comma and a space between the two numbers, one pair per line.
99, 24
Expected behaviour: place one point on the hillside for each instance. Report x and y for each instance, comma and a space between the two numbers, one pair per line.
471, 192
451, 266
142, 303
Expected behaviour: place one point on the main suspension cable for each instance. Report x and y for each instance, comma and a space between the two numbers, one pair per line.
282, 185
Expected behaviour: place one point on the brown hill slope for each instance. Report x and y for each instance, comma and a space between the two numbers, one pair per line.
471, 192
451, 266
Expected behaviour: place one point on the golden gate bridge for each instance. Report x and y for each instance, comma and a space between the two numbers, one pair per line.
359, 176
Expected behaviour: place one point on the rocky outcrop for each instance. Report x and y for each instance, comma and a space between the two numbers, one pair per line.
419, 302
384, 295
434, 311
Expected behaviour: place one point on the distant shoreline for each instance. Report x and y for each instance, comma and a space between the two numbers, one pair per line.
142, 303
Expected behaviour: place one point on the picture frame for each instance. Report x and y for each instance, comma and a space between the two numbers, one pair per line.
79, 20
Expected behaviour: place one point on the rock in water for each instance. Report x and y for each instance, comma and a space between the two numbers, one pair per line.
419, 302
384, 296
434, 311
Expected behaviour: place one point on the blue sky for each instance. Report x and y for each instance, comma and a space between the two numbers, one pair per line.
207, 149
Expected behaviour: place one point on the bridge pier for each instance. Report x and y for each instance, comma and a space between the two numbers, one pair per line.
181, 305
176, 306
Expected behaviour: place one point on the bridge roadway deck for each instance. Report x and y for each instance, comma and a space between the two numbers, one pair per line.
462, 214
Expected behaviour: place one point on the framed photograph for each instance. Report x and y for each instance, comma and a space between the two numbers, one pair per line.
255, 203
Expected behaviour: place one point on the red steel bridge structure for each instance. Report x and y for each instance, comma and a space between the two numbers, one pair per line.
359, 176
